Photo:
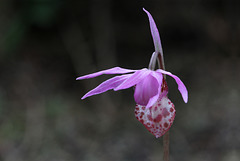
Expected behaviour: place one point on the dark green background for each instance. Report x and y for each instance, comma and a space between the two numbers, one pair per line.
46, 44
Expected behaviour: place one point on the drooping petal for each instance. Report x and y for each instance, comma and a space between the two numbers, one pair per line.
158, 118
155, 33
146, 91
159, 78
134, 79
107, 85
115, 70
181, 87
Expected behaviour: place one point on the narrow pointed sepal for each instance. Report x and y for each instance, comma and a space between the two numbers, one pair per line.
158, 118
155, 33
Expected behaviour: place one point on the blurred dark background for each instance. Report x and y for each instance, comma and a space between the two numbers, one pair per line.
46, 44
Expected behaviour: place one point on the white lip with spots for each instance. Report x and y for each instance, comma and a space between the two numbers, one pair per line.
158, 118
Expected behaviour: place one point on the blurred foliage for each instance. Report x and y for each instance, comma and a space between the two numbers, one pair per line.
14, 35
46, 44
41, 12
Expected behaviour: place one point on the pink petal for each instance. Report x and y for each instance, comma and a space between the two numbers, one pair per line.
159, 78
107, 85
115, 70
158, 118
145, 90
181, 87
155, 33
148, 90
134, 79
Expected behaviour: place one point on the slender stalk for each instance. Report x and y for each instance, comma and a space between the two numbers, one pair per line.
166, 146
166, 135
158, 57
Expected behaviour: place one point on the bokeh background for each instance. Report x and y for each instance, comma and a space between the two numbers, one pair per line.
46, 44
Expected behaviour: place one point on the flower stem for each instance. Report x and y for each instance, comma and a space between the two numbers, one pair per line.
158, 57
166, 135
166, 146
161, 65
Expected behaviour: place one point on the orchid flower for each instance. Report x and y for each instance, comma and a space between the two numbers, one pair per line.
153, 108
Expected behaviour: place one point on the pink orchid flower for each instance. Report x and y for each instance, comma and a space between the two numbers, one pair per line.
154, 110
